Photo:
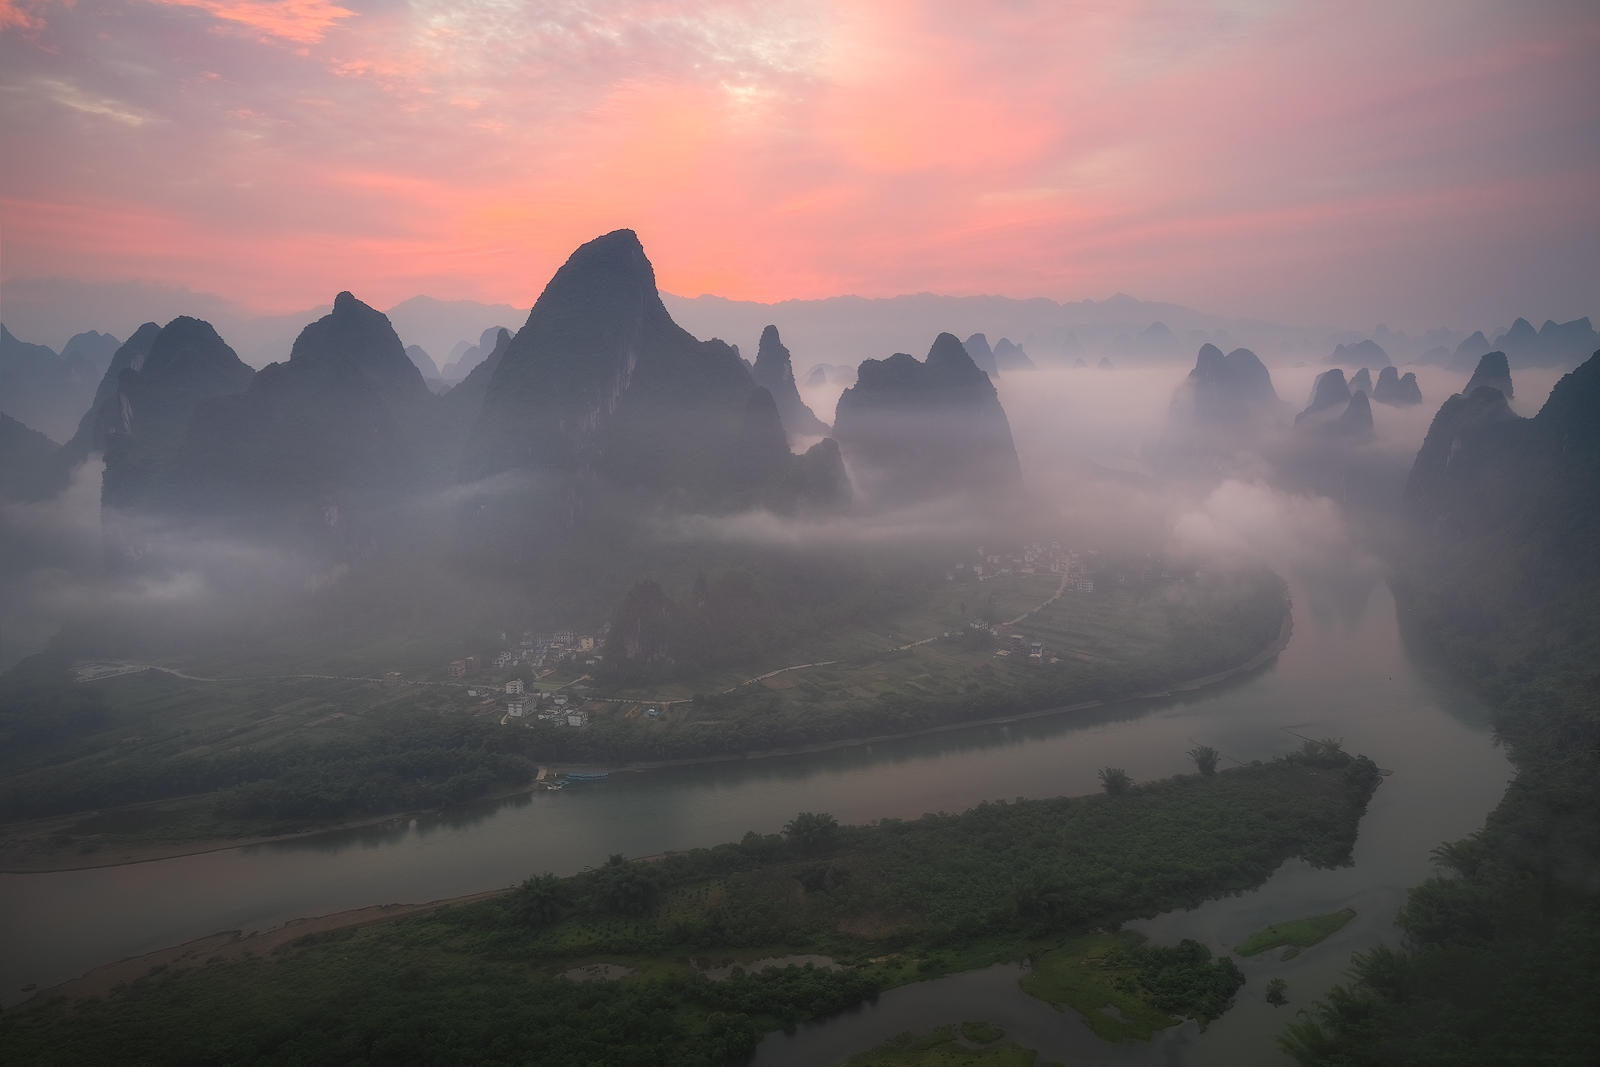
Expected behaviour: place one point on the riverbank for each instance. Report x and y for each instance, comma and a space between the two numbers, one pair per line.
1199, 837
21, 854
232, 945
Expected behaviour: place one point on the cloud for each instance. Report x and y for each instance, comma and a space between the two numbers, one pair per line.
1333, 162
301, 21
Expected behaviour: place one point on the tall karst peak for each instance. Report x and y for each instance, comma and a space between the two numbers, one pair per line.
1327, 391
774, 370
1355, 422
1250, 376
160, 387
105, 414
353, 341
1231, 389
915, 430
601, 393
1395, 390
1493, 370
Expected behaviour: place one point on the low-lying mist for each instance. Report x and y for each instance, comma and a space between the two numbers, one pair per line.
1088, 439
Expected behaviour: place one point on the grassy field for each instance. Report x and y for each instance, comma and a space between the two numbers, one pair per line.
1295, 934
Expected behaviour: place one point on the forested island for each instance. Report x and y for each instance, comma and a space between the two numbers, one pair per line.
897, 901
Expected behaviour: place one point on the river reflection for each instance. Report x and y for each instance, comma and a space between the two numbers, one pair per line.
1344, 674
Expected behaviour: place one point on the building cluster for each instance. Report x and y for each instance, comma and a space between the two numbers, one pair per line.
1015, 645
1031, 558
538, 650
557, 709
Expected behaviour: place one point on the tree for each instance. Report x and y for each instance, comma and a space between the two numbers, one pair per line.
811, 833
628, 888
539, 901
1115, 780
1205, 757
1277, 994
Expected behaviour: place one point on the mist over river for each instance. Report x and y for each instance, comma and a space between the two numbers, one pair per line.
1345, 673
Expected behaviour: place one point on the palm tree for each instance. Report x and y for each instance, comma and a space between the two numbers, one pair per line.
539, 901
1205, 757
1115, 780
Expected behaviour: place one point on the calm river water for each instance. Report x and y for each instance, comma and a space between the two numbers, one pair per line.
1345, 674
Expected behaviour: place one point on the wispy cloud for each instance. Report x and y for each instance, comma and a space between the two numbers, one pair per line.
301, 21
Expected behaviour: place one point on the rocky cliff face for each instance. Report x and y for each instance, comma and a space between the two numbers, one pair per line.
915, 431
774, 371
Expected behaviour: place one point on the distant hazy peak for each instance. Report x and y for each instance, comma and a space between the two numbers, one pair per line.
977, 347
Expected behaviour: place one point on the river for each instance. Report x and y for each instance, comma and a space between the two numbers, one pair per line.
1344, 674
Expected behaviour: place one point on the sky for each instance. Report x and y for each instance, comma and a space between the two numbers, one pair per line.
1414, 163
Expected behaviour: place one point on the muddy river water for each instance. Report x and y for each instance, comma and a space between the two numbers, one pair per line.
1345, 673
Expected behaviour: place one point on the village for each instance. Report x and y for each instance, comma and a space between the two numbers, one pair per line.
545, 678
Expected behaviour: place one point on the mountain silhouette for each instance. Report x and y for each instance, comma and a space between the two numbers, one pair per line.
1329, 390
143, 428
977, 347
1010, 357
1494, 371
1362, 353
774, 371
1395, 390
345, 423
913, 431
105, 411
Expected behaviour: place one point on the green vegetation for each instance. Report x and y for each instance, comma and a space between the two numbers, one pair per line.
943, 1048
1126, 989
1300, 933
1277, 992
1115, 781
892, 903
1501, 577
276, 755
982, 1033
1205, 759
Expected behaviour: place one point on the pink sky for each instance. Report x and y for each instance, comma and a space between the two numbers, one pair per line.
1342, 162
